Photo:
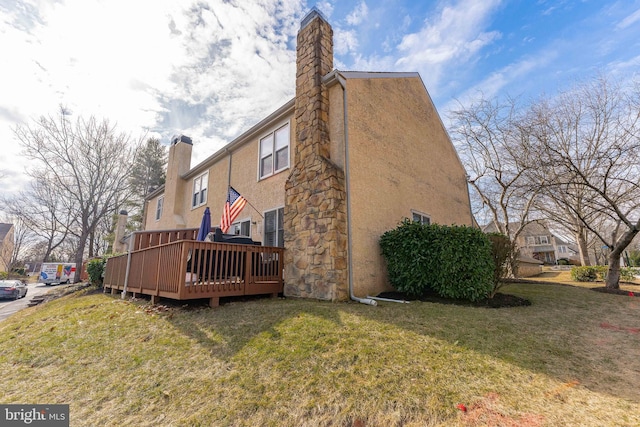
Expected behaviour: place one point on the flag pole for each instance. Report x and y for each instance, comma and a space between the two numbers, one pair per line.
229, 186
248, 202
254, 208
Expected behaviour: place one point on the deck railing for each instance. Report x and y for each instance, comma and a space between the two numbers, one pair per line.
163, 264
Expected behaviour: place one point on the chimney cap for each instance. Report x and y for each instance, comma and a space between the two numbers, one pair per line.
181, 138
313, 13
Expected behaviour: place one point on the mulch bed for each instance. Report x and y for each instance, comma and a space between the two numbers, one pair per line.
606, 290
498, 301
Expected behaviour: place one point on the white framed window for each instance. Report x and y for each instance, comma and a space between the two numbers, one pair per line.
274, 152
241, 228
274, 228
563, 249
538, 240
159, 205
421, 218
199, 194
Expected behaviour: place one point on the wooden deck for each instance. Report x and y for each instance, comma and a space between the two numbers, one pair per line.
172, 264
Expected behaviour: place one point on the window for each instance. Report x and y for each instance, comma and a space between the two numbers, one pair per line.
274, 152
241, 228
159, 204
538, 240
421, 218
199, 197
563, 249
274, 228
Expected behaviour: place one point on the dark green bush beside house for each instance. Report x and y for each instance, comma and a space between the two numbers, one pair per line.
95, 270
453, 261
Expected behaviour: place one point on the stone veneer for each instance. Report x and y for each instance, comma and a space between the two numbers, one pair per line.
315, 219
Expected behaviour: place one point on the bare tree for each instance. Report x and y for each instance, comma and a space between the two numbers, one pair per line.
588, 142
42, 212
560, 207
22, 240
494, 148
88, 164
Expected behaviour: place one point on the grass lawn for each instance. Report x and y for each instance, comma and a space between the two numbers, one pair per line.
569, 359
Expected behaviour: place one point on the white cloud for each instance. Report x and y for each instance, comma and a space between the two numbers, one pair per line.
358, 14
629, 20
345, 41
209, 69
326, 7
451, 38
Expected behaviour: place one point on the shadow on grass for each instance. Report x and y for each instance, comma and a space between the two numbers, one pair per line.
560, 335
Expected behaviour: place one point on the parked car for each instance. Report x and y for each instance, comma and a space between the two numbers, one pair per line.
12, 289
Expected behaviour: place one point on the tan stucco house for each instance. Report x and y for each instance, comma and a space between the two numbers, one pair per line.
6, 245
326, 174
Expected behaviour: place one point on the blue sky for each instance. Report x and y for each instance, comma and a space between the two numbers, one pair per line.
211, 69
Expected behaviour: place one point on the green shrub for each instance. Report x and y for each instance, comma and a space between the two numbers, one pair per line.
587, 273
634, 257
627, 274
453, 261
563, 261
3, 275
501, 250
95, 270
593, 273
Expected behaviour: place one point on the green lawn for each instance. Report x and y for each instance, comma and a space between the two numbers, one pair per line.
569, 359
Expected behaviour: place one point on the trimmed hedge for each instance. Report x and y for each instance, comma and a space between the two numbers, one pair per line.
454, 261
593, 273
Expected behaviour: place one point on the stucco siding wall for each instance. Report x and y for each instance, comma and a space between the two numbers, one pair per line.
264, 195
526, 269
6, 250
400, 160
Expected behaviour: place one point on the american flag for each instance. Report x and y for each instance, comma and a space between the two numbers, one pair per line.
235, 203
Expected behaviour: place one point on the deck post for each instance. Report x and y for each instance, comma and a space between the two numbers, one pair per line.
214, 302
155, 299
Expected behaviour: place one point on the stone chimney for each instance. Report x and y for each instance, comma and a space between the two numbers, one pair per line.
315, 204
121, 227
178, 163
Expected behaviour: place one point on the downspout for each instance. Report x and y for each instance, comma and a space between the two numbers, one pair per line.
473, 219
369, 301
229, 175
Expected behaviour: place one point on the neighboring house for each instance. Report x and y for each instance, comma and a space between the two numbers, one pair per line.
6, 245
528, 267
326, 174
539, 241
